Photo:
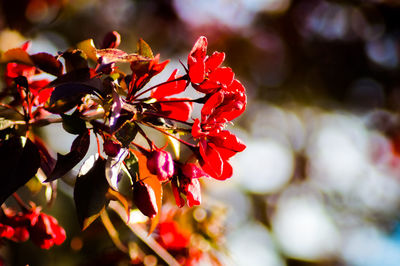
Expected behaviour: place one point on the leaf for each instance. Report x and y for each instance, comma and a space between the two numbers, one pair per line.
47, 162
113, 168
18, 55
144, 49
75, 59
153, 182
145, 199
73, 124
132, 165
47, 63
90, 190
115, 55
18, 164
81, 75
88, 47
126, 133
68, 161
67, 96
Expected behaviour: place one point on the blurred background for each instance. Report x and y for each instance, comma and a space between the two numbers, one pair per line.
319, 182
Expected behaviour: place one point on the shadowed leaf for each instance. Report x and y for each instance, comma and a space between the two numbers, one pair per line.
73, 124
18, 164
90, 191
18, 55
67, 96
47, 63
68, 161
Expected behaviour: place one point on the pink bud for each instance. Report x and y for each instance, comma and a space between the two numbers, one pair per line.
111, 148
160, 163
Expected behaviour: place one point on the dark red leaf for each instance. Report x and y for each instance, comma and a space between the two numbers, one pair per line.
47, 63
90, 191
66, 162
145, 199
18, 164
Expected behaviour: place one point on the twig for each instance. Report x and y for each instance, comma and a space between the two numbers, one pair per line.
143, 235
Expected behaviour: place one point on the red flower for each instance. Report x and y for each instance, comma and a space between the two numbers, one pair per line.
215, 149
160, 163
204, 71
46, 232
6, 231
171, 237
37, 87
42, 228
224, 105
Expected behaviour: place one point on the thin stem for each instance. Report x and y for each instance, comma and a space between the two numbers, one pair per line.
198, 100
11, 108
112, 232
167, 117
140, 232
190, 145
158, 85
20, 202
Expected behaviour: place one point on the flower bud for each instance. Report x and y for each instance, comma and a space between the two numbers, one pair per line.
160, 163
111, 148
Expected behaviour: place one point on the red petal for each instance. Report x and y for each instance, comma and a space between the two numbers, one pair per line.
227, 144
208, 86
169, 88
177, 110
222, 75
214, 61
191, 171
211, 104
199, 49
197, 72
212, 162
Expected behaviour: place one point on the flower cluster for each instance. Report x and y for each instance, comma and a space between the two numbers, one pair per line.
41, 228
91, 95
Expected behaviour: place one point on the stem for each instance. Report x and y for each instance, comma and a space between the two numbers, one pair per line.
190, 145
164, 116
20, 202
143, 235
112, 232
158, 85
11, 108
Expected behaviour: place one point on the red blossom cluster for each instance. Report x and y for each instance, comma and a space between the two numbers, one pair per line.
41, 228
91, 95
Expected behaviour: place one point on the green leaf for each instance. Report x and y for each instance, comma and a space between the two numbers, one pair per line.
19, 163
132, 164
144, 49
90, 190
